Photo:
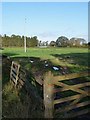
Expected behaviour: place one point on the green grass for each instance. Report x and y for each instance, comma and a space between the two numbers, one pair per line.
44, 53
57, 56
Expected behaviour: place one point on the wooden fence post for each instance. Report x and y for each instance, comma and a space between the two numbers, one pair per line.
48, 95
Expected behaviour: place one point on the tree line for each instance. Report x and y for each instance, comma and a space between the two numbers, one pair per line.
62, 41
65, 42
18, 41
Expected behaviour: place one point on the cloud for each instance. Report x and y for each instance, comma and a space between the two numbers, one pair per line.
52, 36
85, 36
48, 34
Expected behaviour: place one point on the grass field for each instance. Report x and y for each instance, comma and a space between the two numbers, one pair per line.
45, 53
72, 57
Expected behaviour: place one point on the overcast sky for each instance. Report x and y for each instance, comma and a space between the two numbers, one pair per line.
47, 20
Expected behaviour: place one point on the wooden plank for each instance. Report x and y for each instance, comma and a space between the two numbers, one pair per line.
21, 82
81, 85
70, 107
23, 78
14, 76
11, 73
17, 74
13, 70
69, 76
74, 86
76, 101
22, 71
48, 96
50, 81
68, 98
13, 79
15, 65
39, 81
70, 87
75, 114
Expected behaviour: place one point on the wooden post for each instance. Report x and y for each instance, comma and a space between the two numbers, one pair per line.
48, 95
25, 43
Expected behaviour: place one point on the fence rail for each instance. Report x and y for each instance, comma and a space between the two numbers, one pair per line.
69, 76
76, 100
18, 76
14, 72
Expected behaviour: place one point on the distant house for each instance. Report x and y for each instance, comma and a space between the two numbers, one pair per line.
43, 44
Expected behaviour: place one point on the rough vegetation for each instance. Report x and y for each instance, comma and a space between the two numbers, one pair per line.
17, 103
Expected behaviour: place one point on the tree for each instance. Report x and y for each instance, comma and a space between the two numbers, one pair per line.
46, 43
53, 43
0, 41
82, 41
13, 36
33, 41
39, 43
77, 42
5, 41
62, 41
